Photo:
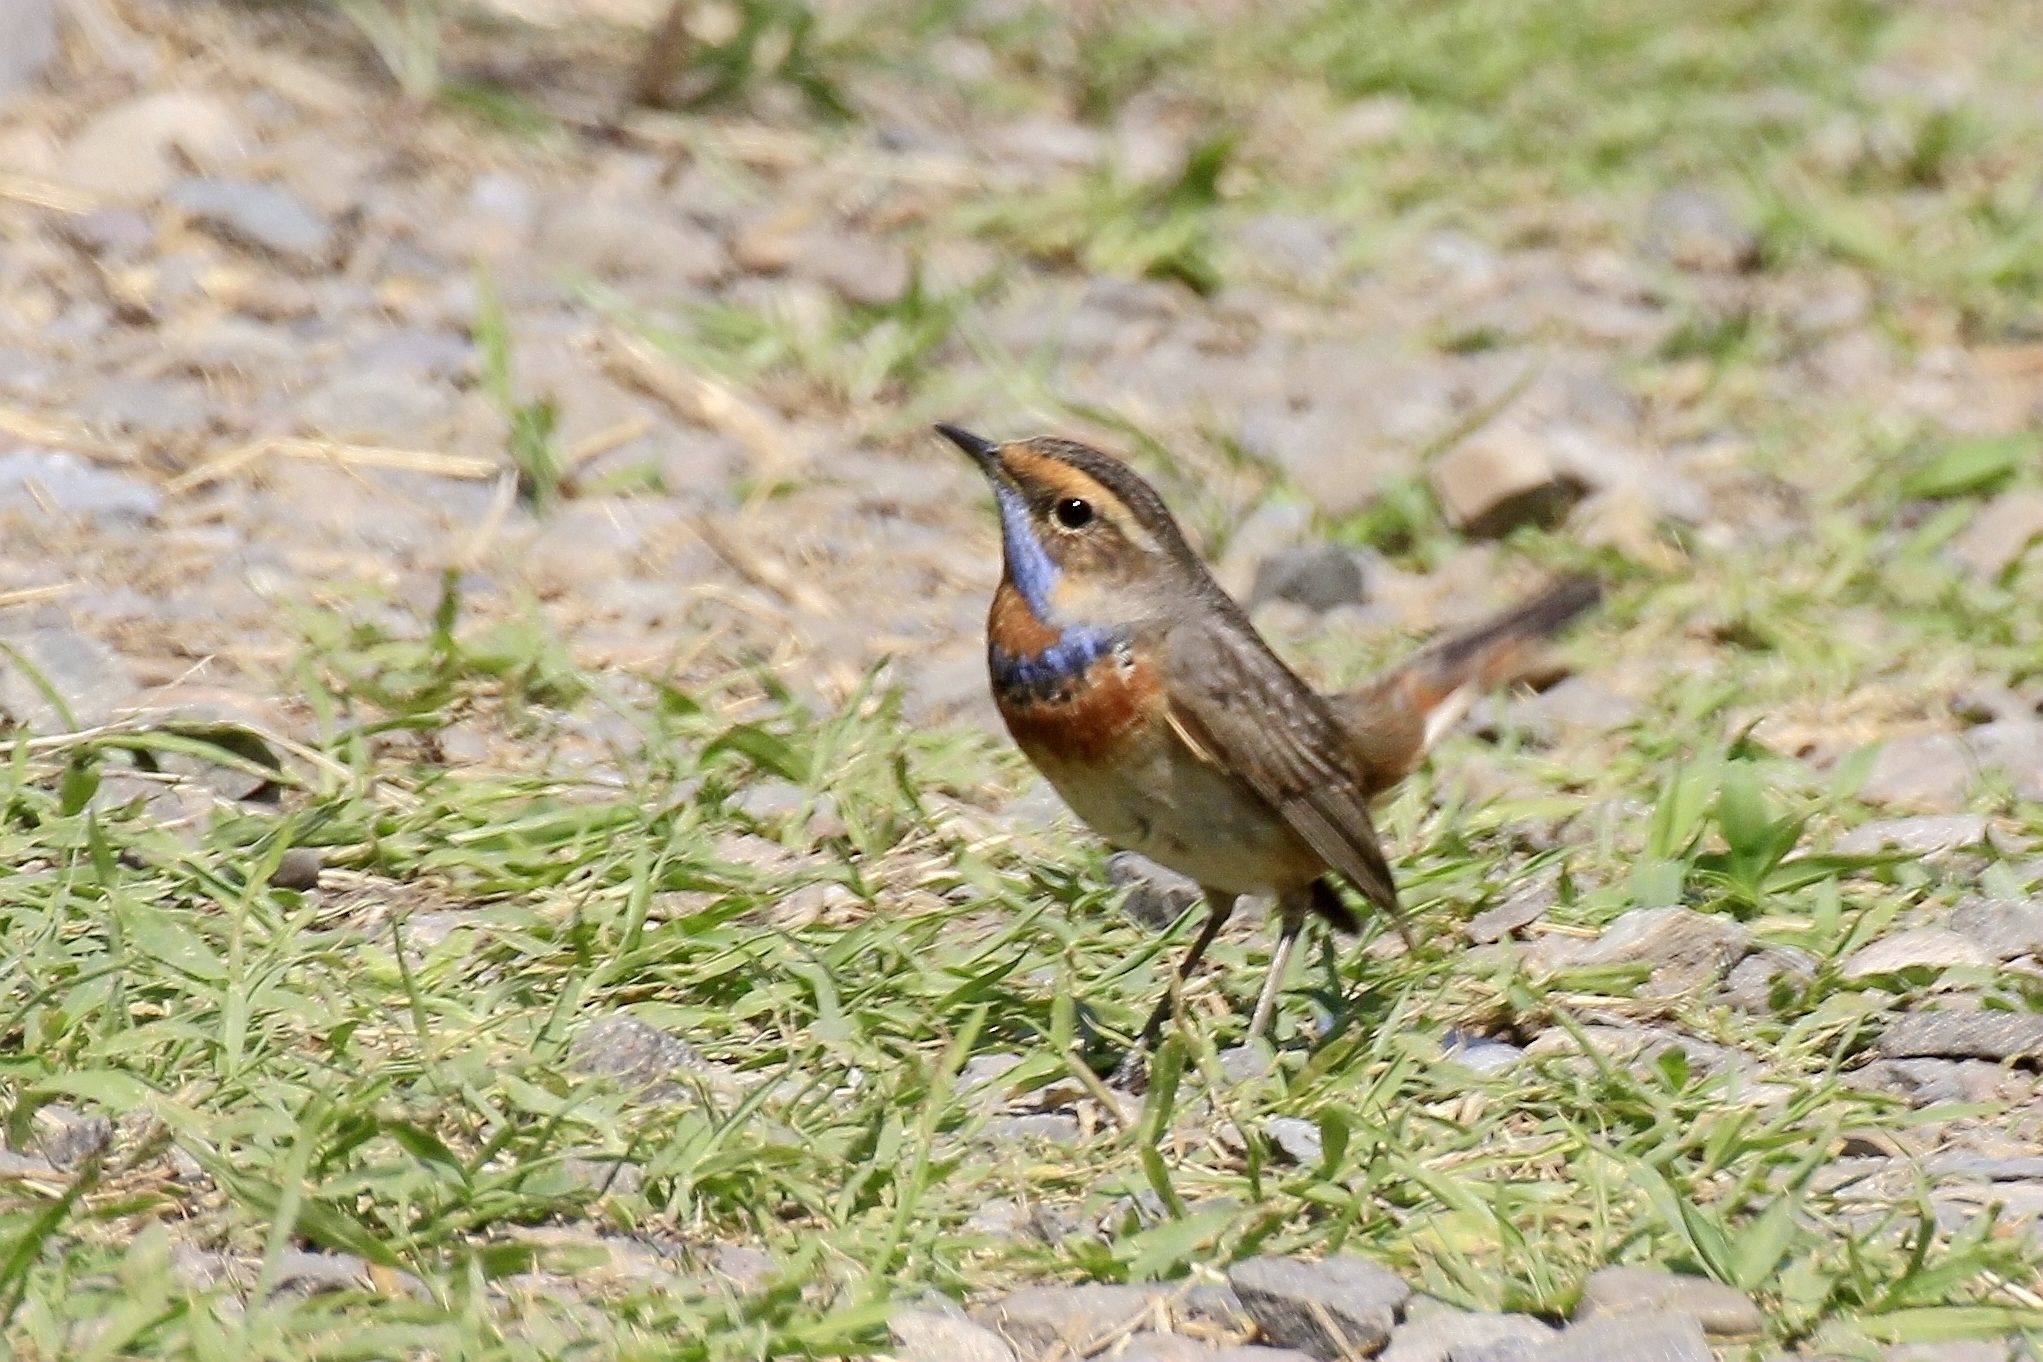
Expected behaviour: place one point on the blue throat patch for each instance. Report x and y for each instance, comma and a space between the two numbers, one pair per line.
1038, 676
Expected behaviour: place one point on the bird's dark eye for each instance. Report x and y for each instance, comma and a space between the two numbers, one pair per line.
1073, 513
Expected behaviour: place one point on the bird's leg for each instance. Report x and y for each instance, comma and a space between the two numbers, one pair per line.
1218, 906
1293, 905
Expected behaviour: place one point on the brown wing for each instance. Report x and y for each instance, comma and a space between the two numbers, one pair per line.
1241, 709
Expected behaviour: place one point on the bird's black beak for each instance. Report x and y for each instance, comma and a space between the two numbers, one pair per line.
984, 452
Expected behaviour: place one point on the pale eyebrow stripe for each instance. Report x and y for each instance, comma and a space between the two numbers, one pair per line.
1073, 482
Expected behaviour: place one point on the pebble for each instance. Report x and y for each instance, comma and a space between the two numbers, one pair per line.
1928, 771
1925, 948
2014, 748
1499, 478
1522, 909
261, 215
2001, 534
1295, 249
376, 406
1634, 1338
305, 1273
2003, 928
1157, 895
1318, 577
1718, 1308
617, 239
1928, 1081
1293, 1302
147, 406
1299, 1139
85, 674
1576, 702
1036, 1318
1750, 984
130, 152
36, 478
28, 37
1684, 947
298, 869
637, 1055
933, 1336
1048, 1127
112, 234
64, 1135
1982, 1034
1447, 1335
1924, 835
1695, 229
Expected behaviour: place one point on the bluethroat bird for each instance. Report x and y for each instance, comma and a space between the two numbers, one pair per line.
1140, 690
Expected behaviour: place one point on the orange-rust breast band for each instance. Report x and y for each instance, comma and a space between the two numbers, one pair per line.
1108, 706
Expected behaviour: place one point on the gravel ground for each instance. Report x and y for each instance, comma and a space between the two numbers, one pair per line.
269, 333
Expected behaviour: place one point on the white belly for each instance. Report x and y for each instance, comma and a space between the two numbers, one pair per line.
1182, 813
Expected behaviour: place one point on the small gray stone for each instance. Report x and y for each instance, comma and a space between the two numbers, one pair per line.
1318, 577
1928, 771
2003, 928
1297, 1138
1484, 1054
28, 37
1036, 1318
1750, 984
638, 1056
375, 404
111, 233
259, 214
300, 1272
1916, 948
1695, 229
1982, 1034
64, 1135
1146, 1347
1157, 895
1684, 947
1302, 1305
1052, 1127
861, 268
1522, 909
605, 1177
1634, 1338
1951, 1350
1294, 248
416, 350
1924, 835
2001, 534
749, 1269
154, 406
1449, 1335
298, 869
1499, 478
35, 478
197, 1269
931, 1336
131, 151
1927, 1081
1577, 702
2013, 747
87, 675
620, 239
1648, 1290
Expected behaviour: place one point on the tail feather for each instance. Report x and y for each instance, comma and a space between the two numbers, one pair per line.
1395, 719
